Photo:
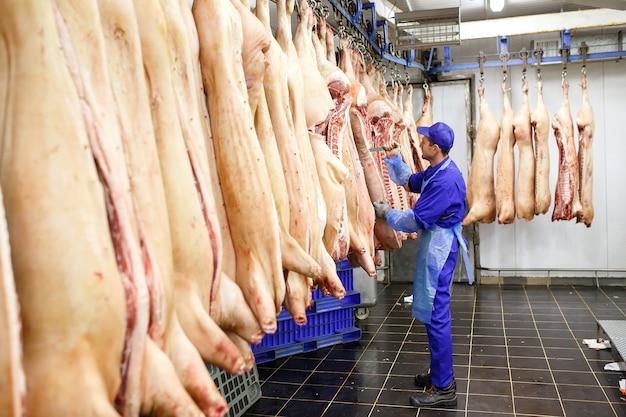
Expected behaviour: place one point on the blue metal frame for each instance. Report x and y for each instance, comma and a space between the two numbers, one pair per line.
448, 67
360, 6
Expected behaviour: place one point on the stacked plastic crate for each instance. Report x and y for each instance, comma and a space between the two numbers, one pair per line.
239, 391
329, 322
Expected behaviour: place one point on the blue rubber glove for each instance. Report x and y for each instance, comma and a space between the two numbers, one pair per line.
381, 208
399, 172
403, 221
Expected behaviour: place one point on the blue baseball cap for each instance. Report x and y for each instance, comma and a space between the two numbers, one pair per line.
440, 134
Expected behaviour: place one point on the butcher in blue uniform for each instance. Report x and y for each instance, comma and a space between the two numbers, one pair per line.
437, 217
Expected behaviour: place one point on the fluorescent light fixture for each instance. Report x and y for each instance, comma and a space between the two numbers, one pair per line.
496, 5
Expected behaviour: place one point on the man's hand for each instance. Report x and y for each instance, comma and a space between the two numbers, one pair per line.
392, 150
381, 208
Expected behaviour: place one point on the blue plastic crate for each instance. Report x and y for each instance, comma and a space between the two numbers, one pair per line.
323, 328
327, 315
346, 335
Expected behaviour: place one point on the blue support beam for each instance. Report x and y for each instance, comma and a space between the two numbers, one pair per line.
544, 60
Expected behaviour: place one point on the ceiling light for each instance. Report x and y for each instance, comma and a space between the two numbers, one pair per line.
496, 5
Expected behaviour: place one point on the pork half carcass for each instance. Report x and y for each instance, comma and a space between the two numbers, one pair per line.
249, 205
525, 191
71, 296
425, 120
585, 124
540, 121
481, 196
297, 100
85, 58
193, 255
318, 102
275, 84
294, 257
126, 72
256, 41
566, 199
505, 170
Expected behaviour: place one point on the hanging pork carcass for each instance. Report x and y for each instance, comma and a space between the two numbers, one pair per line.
481, 195
298, 288
228, 306
66, 257
193, 256
525, 185
540, 121
384, 236
566, 197
315, 110
586, 126
249, 205
126, 72
505, 168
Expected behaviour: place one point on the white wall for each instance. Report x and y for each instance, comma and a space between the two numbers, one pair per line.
541, 243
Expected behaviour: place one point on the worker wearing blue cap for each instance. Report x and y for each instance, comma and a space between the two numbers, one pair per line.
437, 215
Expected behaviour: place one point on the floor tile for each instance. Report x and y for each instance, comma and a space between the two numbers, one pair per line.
498, 403
538, 406
357, 395
348, 410
303, 408
316, 392
517, 350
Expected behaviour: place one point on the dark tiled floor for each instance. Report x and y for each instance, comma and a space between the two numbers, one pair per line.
517, 352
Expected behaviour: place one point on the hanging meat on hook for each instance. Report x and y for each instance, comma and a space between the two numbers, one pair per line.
525, 191
505, 171
566, 197
585, 123
540, 122
72, 301
481, 196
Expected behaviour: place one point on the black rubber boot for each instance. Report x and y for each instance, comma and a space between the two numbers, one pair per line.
423, 380
436, 397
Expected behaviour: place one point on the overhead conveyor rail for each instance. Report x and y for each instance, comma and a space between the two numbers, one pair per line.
371, 36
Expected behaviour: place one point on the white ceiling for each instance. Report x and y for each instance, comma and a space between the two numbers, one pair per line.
472, 10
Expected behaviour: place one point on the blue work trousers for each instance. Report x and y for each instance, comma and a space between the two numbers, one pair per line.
440, 329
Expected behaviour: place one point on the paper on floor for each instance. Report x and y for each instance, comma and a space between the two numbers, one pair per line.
408, 298
594, 344
615, 366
